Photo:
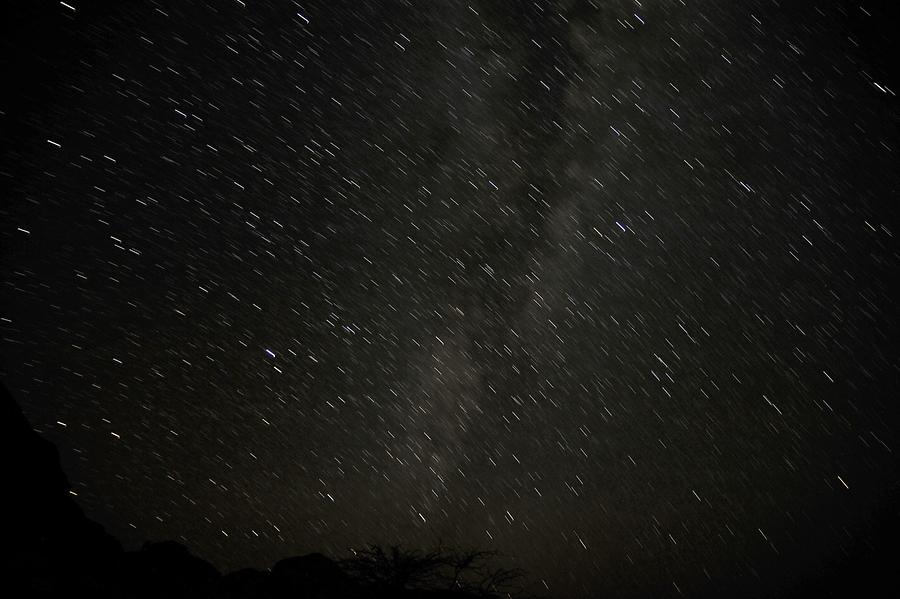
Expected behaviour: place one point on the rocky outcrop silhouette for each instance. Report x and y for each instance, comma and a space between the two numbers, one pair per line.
312, 575
54, 545
165, 569
56, 551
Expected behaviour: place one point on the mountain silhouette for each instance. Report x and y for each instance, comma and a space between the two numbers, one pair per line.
56, 547
55, 550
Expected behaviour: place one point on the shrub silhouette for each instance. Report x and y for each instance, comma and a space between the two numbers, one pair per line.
57, 551
462, 573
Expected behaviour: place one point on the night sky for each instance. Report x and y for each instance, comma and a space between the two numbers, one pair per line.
603, 285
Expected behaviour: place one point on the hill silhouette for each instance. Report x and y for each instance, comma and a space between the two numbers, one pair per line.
54, 550
57, 551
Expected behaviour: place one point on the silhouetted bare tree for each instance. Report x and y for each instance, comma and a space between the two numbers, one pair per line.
467, 573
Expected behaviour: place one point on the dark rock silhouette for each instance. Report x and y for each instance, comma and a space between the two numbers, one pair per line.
57, 551
55, 546
165, 569
54, 550
312, 575
248, 582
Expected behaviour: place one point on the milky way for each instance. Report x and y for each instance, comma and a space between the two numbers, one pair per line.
602, 285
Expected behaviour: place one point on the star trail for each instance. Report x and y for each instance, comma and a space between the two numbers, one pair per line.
602, 285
